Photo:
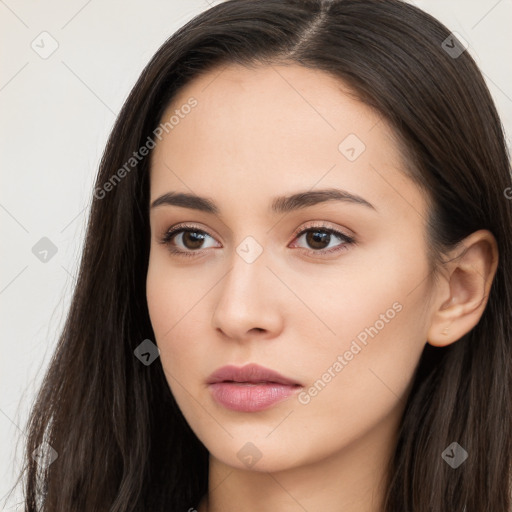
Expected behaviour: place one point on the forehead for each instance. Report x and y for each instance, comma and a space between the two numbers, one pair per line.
240, 107
274, 130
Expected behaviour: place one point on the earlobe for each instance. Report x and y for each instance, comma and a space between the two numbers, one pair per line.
468, 279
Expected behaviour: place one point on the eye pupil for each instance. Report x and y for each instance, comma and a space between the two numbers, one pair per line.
318, 237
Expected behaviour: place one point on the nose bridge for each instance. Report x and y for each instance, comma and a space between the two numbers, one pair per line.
245, 283
246, 299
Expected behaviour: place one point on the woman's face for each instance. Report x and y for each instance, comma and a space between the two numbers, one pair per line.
346, 321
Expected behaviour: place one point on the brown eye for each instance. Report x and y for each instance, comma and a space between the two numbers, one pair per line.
192, 239
323, 240
186, 240
318, 239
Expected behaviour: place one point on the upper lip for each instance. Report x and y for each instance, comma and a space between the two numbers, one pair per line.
249, 373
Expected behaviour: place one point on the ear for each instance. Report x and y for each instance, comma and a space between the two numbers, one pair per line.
463, 288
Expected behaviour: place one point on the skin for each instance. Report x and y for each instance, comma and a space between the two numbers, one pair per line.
260, 133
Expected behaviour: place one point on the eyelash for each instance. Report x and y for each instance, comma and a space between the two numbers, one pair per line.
183, 228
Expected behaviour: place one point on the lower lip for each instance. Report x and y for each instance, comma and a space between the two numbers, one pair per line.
246, 397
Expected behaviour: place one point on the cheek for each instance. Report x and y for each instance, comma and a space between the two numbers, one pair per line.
168, 296
377, 322
179, 335
361, 381
370, 351
174, 308
160, 299
371, 289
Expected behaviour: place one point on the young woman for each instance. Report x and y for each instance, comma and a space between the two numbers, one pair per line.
295, 290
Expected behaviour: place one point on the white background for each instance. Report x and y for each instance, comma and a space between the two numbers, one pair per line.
56, 114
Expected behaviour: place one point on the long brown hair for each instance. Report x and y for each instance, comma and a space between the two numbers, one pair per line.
122, 442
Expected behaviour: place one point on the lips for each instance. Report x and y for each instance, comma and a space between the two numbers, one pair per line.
250, 374
251, 388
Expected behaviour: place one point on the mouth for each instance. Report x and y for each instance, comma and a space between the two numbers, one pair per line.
251, 388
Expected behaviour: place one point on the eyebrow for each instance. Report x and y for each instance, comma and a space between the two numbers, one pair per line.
281, 204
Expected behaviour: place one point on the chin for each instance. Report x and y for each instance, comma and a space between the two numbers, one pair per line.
258, 456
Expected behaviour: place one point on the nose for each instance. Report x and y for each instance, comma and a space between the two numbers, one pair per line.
248, 303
